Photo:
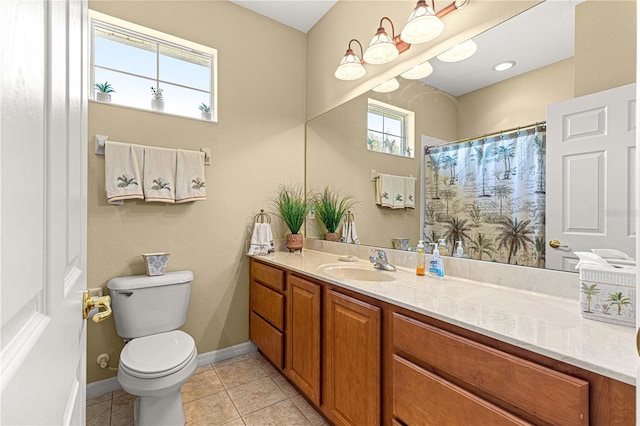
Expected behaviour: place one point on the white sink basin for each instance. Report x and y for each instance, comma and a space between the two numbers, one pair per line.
361, 273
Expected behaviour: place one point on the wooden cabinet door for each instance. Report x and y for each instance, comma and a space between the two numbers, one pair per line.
351, 377
303, 336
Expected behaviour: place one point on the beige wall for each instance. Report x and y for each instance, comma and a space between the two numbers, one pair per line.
605, 45
337, 156
328, 40
519, 101
257, 144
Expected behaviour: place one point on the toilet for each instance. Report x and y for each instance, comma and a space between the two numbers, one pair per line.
157, 358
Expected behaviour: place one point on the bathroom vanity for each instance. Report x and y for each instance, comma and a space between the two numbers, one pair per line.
407, 350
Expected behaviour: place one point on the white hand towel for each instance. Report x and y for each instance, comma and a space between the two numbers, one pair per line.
261, 239
349, 233
123, 171
410, 192
398, 192
190, 182
611, 254
590, 259
384, 190
159, 175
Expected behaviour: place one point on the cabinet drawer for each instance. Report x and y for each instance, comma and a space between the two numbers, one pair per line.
547, 394
268, 304
267, 338
422, 398
267, 275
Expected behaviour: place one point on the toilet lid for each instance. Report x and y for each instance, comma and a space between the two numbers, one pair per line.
157, 355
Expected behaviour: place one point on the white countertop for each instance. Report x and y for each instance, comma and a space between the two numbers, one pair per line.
546, 324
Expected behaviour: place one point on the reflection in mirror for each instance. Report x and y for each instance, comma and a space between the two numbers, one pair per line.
337, 152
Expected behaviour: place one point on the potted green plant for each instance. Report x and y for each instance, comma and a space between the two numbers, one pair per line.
205, 111
330, 209
103, 91
292, 206
157, 99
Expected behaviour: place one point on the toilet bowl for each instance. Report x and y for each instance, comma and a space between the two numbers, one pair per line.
157, 358
154, 368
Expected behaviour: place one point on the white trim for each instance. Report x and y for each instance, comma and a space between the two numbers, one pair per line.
111, 384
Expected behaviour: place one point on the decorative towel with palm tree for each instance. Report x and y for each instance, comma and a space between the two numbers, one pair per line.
489, 193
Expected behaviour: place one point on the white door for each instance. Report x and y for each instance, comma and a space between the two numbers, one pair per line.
43, 161
591, 175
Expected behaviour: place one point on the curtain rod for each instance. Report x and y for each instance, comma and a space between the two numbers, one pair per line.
491, 135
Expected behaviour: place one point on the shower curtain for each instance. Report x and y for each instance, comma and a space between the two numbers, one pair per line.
489, 193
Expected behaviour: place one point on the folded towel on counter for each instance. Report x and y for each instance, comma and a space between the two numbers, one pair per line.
190, 182
410, 192
123, 164
261, 239
349, 233
590, 259
611, 254
159, 175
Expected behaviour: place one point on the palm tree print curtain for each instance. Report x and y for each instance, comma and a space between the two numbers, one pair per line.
490, 194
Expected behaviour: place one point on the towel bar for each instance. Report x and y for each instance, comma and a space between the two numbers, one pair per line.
101, 139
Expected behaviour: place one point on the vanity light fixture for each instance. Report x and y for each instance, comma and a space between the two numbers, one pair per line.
387, 86
419, 71
351, 67
503, 66
423, 24
384, 49
459, 52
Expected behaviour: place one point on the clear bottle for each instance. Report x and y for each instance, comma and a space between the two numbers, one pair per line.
442, 247
459, 250
436, 266
420, 260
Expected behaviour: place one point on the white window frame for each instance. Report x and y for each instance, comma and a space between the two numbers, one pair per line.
408, 125
163, 39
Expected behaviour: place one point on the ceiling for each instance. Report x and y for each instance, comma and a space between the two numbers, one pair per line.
540, 36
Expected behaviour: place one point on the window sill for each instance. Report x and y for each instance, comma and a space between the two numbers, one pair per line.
153, 111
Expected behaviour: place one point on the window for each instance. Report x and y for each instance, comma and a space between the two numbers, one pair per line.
133, 59
390, 129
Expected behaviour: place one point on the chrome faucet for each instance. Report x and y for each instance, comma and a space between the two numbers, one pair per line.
381, 262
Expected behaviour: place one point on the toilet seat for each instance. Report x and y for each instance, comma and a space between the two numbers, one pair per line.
157, 355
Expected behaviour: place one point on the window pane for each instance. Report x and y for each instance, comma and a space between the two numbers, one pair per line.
129, 90
124, 52
178, 100
185, 68
393, 126
375, 121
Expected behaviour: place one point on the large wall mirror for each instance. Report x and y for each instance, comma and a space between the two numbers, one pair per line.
459, 101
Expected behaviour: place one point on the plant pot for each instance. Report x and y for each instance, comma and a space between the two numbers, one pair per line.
205, 116
295, 242
103, 97
332, 236
157, 104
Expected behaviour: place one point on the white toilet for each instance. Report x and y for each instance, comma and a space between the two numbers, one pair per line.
158, 357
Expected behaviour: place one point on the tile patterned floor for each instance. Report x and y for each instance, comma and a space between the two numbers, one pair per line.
245, 390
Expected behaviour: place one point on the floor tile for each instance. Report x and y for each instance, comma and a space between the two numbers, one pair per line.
239, 372
122, 410
236, 422
282, 413
234, 360
203, 368
309, 412
255, 395
99, 414
269, 369
99, 399
285, 385
215, 409
200, 385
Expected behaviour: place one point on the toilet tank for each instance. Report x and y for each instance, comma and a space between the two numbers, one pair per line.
144, 305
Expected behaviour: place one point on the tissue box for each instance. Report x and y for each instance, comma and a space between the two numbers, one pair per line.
156, 263
608, 295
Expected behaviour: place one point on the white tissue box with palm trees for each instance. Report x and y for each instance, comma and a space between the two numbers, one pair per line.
608, 294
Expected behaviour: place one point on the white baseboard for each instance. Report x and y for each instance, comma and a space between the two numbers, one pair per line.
111, 384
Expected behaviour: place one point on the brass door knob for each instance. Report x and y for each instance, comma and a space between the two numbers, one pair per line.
103, 303
556, 244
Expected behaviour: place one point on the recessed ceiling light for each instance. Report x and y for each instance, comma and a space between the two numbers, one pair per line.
503, 66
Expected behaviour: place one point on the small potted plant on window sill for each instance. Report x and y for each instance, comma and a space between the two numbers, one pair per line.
103, 91
205, 111
330, 209
157, 99
292, 206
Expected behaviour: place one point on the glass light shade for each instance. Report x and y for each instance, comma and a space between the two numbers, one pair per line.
503, 66
350, 67
387, 86
423, 25
419, 71
459, 52
381, 50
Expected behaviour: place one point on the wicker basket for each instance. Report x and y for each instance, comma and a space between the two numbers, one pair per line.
608, 295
